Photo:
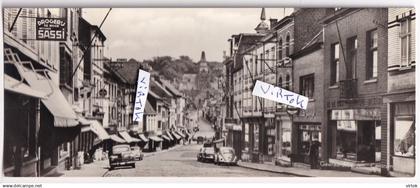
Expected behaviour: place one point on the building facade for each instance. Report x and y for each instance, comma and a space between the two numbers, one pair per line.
355, 46
398, 153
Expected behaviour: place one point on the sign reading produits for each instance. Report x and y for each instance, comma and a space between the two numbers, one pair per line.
277, 94
141, 95
51, 29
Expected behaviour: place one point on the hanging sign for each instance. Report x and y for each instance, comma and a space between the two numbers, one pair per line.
141, 95
278, 94
53, 29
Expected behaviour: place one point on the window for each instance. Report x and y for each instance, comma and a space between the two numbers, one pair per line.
261, 62
404, 137
255, 103
66, 68
287, 45
256, 65
307, 85
405, 36
273, 57
372, 55
280, 49
256, 137
287, 82
335, 64
76, 94
280, 82
352, 55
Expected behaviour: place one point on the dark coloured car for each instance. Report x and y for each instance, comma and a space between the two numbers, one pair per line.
226, 155
121, 156
206, 154
200, 139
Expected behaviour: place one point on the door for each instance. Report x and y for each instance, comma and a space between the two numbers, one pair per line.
366, 141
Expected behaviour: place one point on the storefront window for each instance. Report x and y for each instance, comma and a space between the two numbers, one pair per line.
246, 137
346, 140
256, 137
286, 146
404, 137
308, 134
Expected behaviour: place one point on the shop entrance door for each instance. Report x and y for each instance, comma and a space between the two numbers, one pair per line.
366, 141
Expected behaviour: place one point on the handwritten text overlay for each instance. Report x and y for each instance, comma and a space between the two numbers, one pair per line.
141, 95
277, 94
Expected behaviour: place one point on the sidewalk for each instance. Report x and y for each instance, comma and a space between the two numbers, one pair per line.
301, 172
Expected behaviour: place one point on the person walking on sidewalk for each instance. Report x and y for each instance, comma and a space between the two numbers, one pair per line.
314, 154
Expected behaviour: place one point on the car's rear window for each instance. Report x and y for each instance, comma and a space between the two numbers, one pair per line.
226, 151
120, 149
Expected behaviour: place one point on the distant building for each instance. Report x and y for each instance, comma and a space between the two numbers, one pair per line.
203, 63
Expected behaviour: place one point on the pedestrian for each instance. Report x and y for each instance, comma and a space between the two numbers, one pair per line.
314, 154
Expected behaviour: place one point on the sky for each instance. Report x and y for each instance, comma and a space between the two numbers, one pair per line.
144, 33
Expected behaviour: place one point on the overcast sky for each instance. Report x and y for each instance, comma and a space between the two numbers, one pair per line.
143, 33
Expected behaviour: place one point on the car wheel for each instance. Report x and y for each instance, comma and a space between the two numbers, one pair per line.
111, 168
134, 165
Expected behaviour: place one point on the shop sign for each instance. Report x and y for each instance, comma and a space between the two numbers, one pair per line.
237, 128
310, 127
52, 29
346, 125
356, 114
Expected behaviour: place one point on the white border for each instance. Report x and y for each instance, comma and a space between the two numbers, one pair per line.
202, 181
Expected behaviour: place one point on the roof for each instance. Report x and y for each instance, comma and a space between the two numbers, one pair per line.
171, 88
94, 27
129, 71
148, 109
159, 89
312, 45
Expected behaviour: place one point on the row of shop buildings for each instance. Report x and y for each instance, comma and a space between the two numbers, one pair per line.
66, 103
357, 68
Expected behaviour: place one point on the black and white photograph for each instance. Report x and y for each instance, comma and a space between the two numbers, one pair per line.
209, 92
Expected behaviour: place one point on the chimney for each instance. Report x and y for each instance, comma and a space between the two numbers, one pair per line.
273, 22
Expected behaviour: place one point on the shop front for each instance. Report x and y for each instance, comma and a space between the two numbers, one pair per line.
21, 125
308, 136
355, 136
402, 142
284, 140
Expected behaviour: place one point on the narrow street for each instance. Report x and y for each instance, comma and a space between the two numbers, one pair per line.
182, 162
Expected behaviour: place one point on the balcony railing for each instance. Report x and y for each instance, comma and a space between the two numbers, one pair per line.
348, 88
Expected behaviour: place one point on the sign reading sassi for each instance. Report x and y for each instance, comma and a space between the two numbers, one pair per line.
141, 95
51, 29
277, 94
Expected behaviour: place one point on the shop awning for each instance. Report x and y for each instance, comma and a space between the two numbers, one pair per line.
180, 134
82, 120
13, 85
55, 101
155, 138
142, 137
166, 137
177, 136
128, 138
117, 138
97, 128
170, 136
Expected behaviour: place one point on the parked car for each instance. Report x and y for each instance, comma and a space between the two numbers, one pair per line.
121, 155
200, 139
225, 155
206, 154
137, 154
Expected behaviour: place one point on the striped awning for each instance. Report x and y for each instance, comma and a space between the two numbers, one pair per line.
155, 138
128, 138
170, 136
180, 134
117, 138
166, 137
177, 136
99, 130
143, 138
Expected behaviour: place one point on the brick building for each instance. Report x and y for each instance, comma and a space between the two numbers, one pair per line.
355, 46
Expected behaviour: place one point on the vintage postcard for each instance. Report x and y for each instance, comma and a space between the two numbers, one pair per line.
209, 92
